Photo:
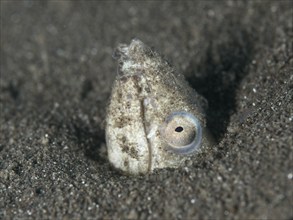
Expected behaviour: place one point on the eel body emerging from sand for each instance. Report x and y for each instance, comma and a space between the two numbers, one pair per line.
154, 119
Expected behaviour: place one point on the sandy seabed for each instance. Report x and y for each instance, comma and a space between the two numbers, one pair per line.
56, 77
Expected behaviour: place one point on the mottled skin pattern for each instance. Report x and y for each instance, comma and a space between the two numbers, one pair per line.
145, 92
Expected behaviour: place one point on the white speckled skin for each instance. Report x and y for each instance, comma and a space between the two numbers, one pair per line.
146, 91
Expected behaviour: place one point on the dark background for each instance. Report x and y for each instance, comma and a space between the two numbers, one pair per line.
56, 77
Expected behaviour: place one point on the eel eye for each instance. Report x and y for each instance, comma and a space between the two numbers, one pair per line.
182, 132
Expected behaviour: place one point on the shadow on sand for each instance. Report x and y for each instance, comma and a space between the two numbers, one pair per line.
217, 71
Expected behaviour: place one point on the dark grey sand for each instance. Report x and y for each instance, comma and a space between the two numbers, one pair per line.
56, 77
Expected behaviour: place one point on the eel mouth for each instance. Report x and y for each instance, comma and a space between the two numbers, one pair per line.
143, 112
131, 66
